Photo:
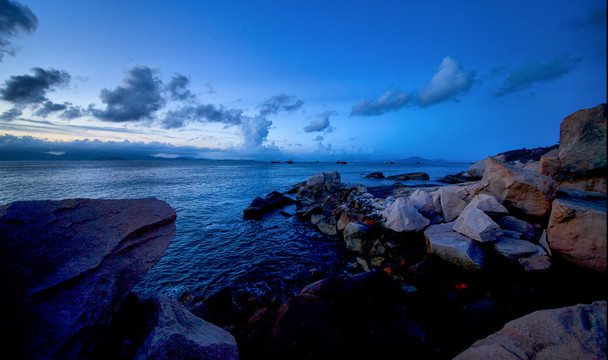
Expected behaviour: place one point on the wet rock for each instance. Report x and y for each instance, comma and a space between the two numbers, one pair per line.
375, 175
358, 237
576, 332
522, 191
476, 225
346, 218
66, 265
453, 247
260, 206
577, 230
327, 227
409, 176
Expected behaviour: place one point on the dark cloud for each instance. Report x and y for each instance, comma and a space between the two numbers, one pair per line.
533, 71
279, 103
139, 97
448, 82
11, 114
32, 89
49, 107
202, 113
13, 18
321, 123
178, 88
595, 17
318, 138
392, 100
72, 112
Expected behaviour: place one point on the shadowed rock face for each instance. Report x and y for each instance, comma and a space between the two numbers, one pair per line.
66, 265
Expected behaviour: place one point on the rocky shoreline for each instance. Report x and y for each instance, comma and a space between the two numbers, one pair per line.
506, 261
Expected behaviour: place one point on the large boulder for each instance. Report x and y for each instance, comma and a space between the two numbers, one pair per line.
576, 332
577, 228
400, 218
475, 224
409, 176
511, 223
66, 265
177, 334
358, 237
522, 191
375, 175
453, 247
488, 204
476, 170
320, 179
260, 206
452, 202
424, 202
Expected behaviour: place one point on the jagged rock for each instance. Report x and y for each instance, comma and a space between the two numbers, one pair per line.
453, 247
401, 218
515, 249
409, 176
327, 227
577, 229
488, 204
358, 237
347, 218
535, 263
532, 166
260, 206
576, 332
451, 204
476, 170
423, 201
66, 265
527, 230
375, 175
582, 140
475, 224
331, 177
523, 191
178, 334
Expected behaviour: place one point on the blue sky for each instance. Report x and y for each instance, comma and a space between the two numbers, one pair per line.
355, 80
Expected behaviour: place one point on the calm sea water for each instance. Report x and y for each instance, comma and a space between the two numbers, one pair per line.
213, 246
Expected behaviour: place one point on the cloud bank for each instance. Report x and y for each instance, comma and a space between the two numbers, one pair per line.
278, 103
447, 83
533, 71
14, 17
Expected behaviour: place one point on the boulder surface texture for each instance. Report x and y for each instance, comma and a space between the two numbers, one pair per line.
66, 265
576, 332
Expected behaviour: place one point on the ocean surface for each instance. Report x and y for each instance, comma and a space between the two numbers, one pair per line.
213, 246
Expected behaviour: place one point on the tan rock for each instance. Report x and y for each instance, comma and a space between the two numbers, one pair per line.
451, 204
577, 230
532, 166
576, 332
477, 169
488, 204
525, 191
402, 218
476, 225
453, 247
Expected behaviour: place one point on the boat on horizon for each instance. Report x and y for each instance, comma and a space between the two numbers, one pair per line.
275, 161
290, 161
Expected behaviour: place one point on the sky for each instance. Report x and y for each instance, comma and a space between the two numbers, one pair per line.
314, 80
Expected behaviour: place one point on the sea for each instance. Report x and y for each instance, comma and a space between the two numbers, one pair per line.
214, 247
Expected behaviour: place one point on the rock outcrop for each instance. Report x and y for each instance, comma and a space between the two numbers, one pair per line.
577, 228
576, 332
409, 176
453, 247
260, 206
66, 266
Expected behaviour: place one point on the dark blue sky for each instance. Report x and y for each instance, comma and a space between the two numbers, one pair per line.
317, 80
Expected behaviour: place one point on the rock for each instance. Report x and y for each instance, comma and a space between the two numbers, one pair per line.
409, 176
476, 170
375, 175
423, 202
453, 247
346, 218
363, 264
576, 332
273, 201
535, 263
532, 166
66, 265
331, 177
475, 224
327, 227
527, 231
582, 140
525, 192
402, 218
515, 249
451, 204
577, 230
488, 204
177, 334
358, 237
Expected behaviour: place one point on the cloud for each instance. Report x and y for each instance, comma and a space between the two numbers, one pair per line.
11, 114
533, 71
254, 132
32, 89
595, 17
49, 107
202, 113
72, 112
178, 88
447, 83
14, 17
321, 123
139, 97
279, 103
391, 100
318, 138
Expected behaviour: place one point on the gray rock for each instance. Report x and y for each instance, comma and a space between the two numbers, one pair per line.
327, 227
451, 204
575, 332
375, 175
488, 204
527, 230
331, 177
453, 247
358, 237
177, 334
475, 224
402, 218
514, 249
423, 201
66, 265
